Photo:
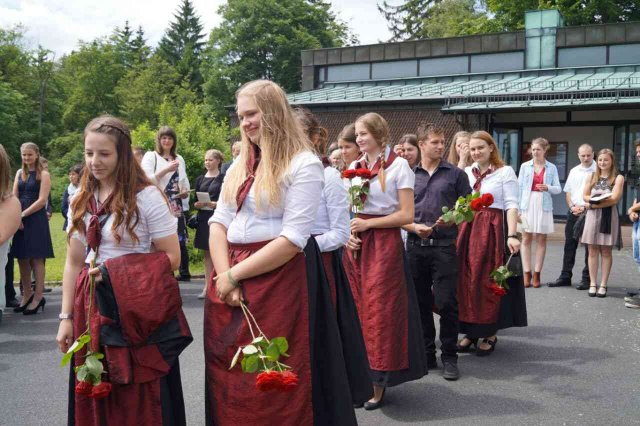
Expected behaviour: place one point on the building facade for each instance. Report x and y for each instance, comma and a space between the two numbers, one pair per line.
571, 85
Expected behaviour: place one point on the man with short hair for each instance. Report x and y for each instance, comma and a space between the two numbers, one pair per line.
235, 151
431, 247
573, 189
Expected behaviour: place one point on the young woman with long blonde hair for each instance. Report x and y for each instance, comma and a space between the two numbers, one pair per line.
602, 225
263, 256
380, 280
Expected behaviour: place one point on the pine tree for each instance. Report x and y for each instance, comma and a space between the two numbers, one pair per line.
406, 20
182, 44
141, 51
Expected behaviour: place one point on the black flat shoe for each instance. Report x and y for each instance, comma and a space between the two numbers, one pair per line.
600, 293
592, 293
467, 348
485, 352
374, 405
21, 308
559, 283
34, 311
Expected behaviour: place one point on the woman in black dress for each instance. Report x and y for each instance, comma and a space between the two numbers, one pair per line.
32, 243
210, 182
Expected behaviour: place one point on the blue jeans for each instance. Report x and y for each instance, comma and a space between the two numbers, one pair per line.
635, 240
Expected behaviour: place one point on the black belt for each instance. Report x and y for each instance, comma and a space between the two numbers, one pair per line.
431, 242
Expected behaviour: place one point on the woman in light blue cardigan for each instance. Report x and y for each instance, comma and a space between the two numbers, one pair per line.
537, 180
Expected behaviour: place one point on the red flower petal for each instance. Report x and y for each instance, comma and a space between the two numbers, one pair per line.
288, 381
84, 388
101, 390
268, 380
349, 174
487, 199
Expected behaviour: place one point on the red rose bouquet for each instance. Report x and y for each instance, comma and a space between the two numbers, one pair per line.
89, 374
263, 356
358, 189
466, 208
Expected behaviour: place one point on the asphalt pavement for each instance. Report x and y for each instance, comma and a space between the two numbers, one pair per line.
578, 363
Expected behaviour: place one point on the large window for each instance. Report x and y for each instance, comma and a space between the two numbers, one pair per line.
508, 141
557, 154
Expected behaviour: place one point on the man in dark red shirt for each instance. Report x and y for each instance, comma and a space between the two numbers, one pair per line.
431, 247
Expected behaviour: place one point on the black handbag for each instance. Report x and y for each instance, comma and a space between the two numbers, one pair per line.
578, 227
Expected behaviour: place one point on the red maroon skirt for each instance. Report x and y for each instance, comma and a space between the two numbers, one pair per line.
385, 298
481, 249
289, 301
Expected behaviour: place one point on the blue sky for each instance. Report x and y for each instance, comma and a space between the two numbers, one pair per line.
59, 24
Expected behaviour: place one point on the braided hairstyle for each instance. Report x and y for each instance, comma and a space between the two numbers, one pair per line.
379, 129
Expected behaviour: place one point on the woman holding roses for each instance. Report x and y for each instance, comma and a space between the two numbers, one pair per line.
263, 257
482, 245
117, 216
378, 274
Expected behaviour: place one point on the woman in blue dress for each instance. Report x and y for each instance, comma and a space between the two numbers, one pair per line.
32, 243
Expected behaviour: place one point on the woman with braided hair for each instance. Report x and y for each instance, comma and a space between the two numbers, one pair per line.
380, 281
122, 233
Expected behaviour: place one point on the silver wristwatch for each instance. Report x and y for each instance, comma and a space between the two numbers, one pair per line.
65, 316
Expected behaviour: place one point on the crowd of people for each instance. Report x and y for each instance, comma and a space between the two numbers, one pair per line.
349, 269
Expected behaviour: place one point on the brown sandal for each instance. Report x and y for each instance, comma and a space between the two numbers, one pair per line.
527, 279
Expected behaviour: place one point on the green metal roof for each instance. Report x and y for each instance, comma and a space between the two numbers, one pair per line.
564, 88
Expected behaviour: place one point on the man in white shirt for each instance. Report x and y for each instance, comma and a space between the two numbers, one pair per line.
574, 188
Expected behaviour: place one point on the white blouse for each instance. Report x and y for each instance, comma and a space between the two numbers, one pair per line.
332, 222
293, 219
156, 221
501, 183
397, 176
152, 162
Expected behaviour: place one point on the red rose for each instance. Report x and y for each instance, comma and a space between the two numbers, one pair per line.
84, 388
476, 204
268, 380
487, 199
101, 390
349, 174
497, 290
363, 173
288, 381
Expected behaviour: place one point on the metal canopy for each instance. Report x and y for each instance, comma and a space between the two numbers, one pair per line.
563, 87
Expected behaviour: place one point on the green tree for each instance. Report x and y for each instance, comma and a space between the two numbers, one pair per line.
13, 106
451, 18
141, 50
146, 86
91, 76
406, 20
263, 39
182, 44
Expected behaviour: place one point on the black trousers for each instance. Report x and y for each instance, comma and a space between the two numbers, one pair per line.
570, 249
184, 252
435, 276
9, 290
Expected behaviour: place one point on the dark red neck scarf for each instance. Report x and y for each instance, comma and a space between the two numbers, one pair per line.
252, 167
376, 167
94, 232
325, 161
480, 177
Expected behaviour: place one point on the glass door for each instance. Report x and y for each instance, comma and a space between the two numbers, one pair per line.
509, 141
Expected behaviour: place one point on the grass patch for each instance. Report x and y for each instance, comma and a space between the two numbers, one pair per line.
55, 266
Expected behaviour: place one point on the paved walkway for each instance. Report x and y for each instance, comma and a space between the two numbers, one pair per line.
576, 364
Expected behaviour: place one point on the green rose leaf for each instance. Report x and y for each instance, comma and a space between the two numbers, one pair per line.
234, 361
93, 365
249, 350
273, 353
445, 209
283, 345
250, 364
82, 373
66, 358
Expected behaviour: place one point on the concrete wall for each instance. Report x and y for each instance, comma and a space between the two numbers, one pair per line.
597, 136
